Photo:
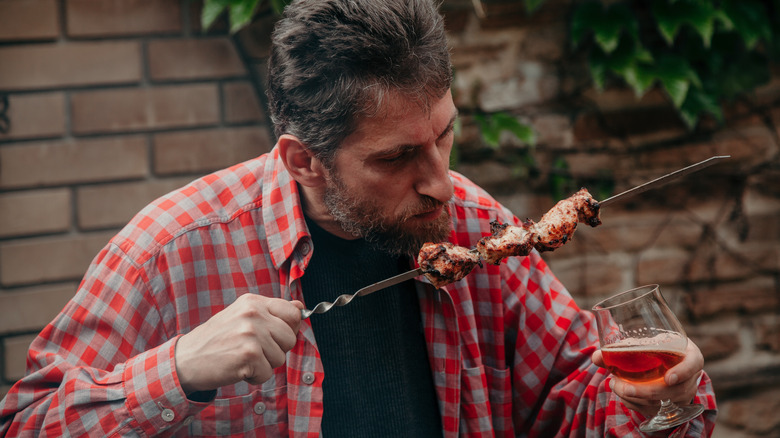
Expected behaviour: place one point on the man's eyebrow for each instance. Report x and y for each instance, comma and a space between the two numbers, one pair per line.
450, 125
403, 147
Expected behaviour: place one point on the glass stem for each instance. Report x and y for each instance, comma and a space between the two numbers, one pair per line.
668, 409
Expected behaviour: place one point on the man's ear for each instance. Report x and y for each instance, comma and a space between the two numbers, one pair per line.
304, 167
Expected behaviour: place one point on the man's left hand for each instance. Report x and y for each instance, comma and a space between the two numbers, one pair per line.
679, 384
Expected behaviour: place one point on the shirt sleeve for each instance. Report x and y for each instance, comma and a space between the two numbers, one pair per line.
105, 365
558, 390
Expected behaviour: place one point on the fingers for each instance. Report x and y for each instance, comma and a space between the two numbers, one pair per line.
690, 367
277, 334
647, 407
255, 371
283, 336
652, 392
287, 311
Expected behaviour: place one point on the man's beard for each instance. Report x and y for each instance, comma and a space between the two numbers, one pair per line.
397, 236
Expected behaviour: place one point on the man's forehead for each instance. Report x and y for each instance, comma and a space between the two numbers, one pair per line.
396, 109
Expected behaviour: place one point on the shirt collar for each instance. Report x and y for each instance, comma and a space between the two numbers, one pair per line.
282, 210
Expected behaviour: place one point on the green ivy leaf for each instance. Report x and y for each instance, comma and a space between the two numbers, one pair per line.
630, 60
677, 89
241, 12
676, 75
488, 131
700, 14
211, 11
598, 68
492, 125
697, 103
750, 19
640, 77
607, 25
582, 20
507, 122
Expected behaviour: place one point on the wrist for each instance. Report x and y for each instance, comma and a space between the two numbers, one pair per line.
181, 370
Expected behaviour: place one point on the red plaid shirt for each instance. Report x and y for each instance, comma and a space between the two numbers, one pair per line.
509, 349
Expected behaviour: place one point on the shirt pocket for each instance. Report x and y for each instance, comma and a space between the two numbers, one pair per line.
486, 402
259, 413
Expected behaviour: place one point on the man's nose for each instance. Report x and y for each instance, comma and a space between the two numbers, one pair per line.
434, 180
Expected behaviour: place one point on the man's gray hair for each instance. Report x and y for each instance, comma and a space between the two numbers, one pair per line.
335, 61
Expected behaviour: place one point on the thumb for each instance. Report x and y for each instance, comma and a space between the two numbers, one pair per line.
597, 358
287, 311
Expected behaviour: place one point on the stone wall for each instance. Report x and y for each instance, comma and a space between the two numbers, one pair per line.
113, 104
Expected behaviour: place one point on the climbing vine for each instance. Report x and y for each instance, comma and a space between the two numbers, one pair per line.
700, 52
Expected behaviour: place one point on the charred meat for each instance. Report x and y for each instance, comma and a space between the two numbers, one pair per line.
446, 263
557, 225
554, 229
506, 240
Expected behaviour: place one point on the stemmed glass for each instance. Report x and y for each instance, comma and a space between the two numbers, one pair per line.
640, 340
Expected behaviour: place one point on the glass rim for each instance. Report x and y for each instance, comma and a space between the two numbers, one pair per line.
650, 289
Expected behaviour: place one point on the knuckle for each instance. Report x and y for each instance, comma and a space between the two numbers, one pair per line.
276, 360
288, 342
246, 372
245, 330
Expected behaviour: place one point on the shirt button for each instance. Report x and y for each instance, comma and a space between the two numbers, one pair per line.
167, 415
305, 248
259, 408
188, 420
308, 378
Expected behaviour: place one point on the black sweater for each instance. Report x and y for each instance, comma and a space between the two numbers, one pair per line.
377, 376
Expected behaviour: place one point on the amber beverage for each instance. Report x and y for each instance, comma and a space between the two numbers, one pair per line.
640, 364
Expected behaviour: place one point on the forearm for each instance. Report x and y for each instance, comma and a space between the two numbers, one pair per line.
141, 396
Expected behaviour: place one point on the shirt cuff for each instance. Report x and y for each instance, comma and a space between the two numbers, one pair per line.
153, 393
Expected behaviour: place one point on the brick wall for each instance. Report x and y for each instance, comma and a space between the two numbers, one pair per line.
110, 105
114, 103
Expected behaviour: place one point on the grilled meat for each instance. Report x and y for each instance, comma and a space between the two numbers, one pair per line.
557, 225
506, 240
446, 263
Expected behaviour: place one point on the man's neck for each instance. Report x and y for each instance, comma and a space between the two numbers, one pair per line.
315, 210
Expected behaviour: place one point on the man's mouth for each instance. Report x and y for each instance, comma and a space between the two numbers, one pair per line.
430, 214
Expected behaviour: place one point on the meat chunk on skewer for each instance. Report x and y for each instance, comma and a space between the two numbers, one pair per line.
554, 229
557, 225
506, 240
446, 263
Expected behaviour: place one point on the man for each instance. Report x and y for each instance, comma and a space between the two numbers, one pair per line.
188, 322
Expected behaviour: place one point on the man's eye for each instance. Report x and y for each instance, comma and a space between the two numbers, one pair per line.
392, 158
397, 157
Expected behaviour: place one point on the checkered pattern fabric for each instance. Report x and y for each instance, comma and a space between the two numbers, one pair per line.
509, 349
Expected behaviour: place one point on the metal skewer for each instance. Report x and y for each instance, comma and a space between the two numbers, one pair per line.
343, 300
663, 180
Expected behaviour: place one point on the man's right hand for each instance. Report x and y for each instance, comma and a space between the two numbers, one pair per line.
244, 341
